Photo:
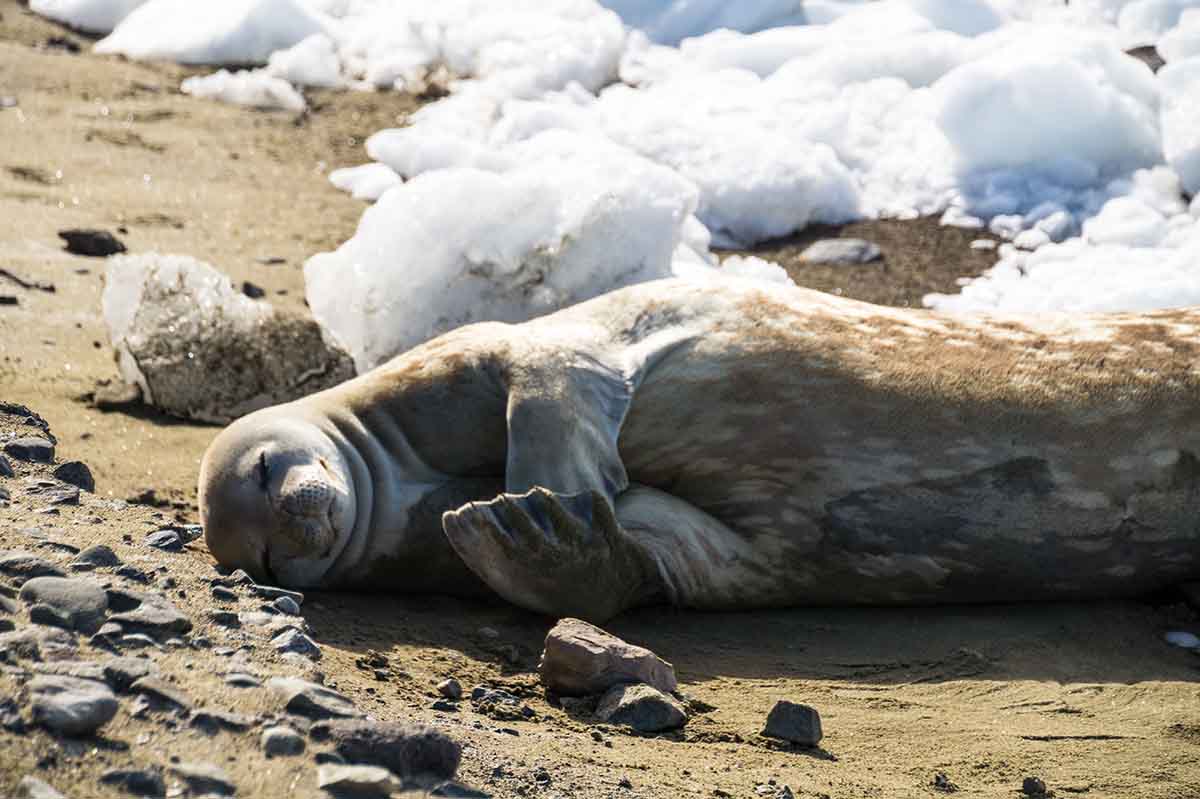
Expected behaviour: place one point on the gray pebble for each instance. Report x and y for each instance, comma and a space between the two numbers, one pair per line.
240, 680
137, 641
791, 721
451, 689
139, 782
166, 540
122, 672
161, 694
224, 618
6, 469
81, 602
272, 592
31, 448
292, 640
282, 742
223, 594
22, 566
405, 749
841, 251
642, 707
77, 474
99, 556
311, 700
211, 721
204, 778
154, 616
361, 780
287, 606
32, 788
71, 706
53, 493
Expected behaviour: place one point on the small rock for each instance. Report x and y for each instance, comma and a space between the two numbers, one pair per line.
942, 783
240, 680
98, 556
800, 724
1034, 786
155, 615
311, 700
166, 540
1182, 639
357, 780
204, 778
581, 659
212, 721
31, 448
8, 606
22, 566
139, 782
444, 706
32, 788
292, 640
160, 693
37, 643
225, 618
286, 605
6, 469
223, 594
137, 641
841, 251
1148, 54
133, 573
451, 689
52, 492
642, 707
71, 706
282, 742
272, 592
122, 672
49, 616
457, 790
81, 602
407, 750
252, 291
95, 243
77, 474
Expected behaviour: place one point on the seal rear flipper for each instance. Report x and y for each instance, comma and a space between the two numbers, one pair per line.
558, 554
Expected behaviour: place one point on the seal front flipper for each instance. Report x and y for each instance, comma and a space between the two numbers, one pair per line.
558, 554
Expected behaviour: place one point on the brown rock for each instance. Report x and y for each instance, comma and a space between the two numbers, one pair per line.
581, 659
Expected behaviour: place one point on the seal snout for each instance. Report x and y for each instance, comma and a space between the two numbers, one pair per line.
307, 496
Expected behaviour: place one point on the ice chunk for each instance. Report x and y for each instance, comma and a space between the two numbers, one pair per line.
751, 267
365, 182
92, 16
1144, 21
1182, 41
669, 21
1180, 82
233, 32
200, 349
250, 87
312, 62
575, 218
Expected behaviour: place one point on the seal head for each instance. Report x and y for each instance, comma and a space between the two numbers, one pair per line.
277, 498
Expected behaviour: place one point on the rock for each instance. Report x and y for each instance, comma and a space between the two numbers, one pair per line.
1183, 639
52, 492
791, 721
6, 469
225, 618
212, 721
160, 693
37, 643
204, 778
457, 790
49, 616
1148, 54
98, 556
240, 680
292, 640
8, 606
32, 788
133, 573
451, 689
139, 782
311, 700
223, 594
642, 707
31, 448
357, 780
943, 783
407, 750
94, 243
81, 602
22, 566
581, 659
1034, 786
155, 616
71, 706
841, 251
77, 474
272, 592
252, 291
287, 606
122, 672
281, 742
166, 540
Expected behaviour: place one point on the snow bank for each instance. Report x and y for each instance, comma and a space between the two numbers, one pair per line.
365, 182
1182, 41
93, 16
312, 62
574, 217
1180, 82
253, 88
232, 32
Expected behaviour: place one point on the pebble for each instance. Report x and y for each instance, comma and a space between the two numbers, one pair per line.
943, 783
791, 721
167, 540
223, 594
70, 705
286, 605
580, 659
31, 448
49, 616
281, 742
404, 749
6, 469
22, 566
204, 778
94, 243
252, 291
1034, 786
122, 672
8, 606
133, 573
159, 692
37, 643
224, 618
139, 782
136, 641
642, 707
359, 780
240, 680
77, 474
80, 602
211, 721
292, 640
311, 700
52, 492
32, 788
451, 689
94, 557
272, 592
154, 616
841, 251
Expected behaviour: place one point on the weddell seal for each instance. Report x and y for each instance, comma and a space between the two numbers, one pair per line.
734, 445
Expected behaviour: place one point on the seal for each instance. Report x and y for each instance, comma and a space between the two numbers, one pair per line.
733, 445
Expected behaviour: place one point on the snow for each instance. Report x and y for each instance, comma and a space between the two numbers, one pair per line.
252, 87
1180, 83
312, 62
1182, 41
365, 182
92, 16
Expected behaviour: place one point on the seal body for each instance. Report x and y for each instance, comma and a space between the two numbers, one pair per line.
737, 445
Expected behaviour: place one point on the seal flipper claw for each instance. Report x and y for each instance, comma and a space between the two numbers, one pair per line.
558, 554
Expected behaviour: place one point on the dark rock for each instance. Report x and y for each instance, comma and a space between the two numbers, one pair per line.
311, 700
155, 616
166, 540
1034, 786
642, 707
223, 594
8, 606
6, 469
212, 721
22, 566
160, 693
31, 787
287, 606
10, 717
71, 706
138, 782
204, 778
942, 783
81, 602
224, 618
356, 780
37, 643
457, 790
240, 680
282, 742
292, 640
77, 474
841, 251
1148, 55
580, 659
31, 448
63, 43
95, 243
252, 291
451, 689
133, 573
800, 724
53, 492
98, 556
407, 750
122, 672
233, 579
444, 706
49, 616
272, 592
